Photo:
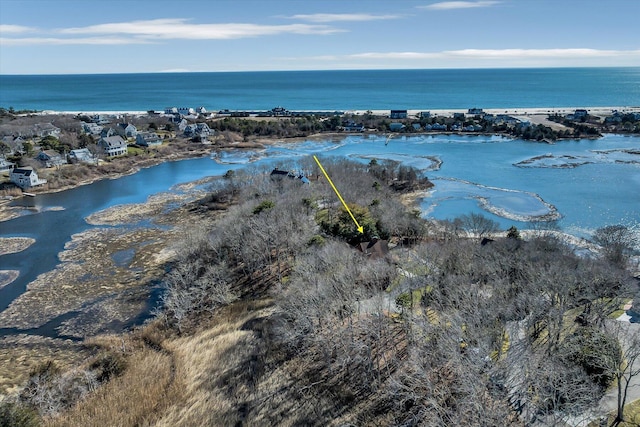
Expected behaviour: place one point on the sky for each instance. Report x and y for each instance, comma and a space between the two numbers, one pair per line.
126, 36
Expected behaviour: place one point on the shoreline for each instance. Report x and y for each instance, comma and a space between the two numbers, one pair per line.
595, 110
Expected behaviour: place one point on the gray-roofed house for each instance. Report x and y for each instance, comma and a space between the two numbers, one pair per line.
126, 130
109, 131
92, 128
50, 158
198, 129
148, 139
46, 129
5, 166
82, 155
113, 145
25, 177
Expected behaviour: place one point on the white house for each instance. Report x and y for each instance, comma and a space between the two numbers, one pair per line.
113, 145
25, 178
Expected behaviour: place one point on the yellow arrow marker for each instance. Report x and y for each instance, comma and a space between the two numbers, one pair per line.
360, 228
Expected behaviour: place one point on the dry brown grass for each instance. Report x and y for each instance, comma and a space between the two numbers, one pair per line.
215, 367
136, 398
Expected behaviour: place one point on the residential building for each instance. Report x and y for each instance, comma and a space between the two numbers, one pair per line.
396, 127
46, 129
126, 130
186, 111
106, 132
50, 158
148, 139
199, 129
5, 166
398, 114
113, 145
82, 155
100, 119
25, 178
92, 128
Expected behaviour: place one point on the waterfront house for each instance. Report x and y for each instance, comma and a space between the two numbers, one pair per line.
113, 145
25, 178
186, 111
201, 110
50, 158
458, 116
424, 114
126, 130
99, 119
280, 112
201, 130
6, 166
148, 139
351, 126
82, 155
170, 110
396, 127
416, 126
475, 111
279, 174
398, 114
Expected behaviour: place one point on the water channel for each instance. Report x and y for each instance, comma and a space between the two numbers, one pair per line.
582, 184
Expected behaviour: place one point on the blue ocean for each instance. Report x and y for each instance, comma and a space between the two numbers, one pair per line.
326, 90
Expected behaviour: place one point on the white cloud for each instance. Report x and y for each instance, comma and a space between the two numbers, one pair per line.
342, 17
181, 29
14, 29
153, 31
446, 5
26, 41
501, 54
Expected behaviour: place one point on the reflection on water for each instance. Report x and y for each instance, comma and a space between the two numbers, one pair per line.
471, 174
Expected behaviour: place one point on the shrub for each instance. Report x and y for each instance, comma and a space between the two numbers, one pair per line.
265, 205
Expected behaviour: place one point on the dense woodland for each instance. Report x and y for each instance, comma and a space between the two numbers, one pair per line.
271, 316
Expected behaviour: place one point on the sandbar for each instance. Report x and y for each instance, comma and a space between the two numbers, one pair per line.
8, 276
12, 245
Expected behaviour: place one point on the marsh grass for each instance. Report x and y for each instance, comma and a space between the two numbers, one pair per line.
136, 397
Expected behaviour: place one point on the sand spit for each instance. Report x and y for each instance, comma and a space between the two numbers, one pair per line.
12, 245
8, 276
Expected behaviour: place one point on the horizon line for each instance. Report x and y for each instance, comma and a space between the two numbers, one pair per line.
318, 70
